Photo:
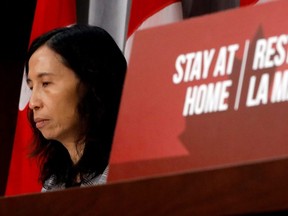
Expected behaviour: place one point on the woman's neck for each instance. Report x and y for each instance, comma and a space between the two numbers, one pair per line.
75, 150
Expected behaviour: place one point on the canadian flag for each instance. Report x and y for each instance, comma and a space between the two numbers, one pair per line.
23, 172
151, 13
119, 17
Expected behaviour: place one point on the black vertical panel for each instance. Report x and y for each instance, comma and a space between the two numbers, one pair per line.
15, 23
82, 8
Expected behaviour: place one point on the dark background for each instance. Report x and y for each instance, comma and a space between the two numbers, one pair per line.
16, 21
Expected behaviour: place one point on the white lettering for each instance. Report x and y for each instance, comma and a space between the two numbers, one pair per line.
270, 52
261, 96
280, 87
207, 98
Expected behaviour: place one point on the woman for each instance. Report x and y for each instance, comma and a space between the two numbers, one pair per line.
76, 75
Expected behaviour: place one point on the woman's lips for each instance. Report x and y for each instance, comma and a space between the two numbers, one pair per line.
40, 123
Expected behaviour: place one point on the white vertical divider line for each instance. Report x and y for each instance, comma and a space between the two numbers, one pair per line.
241, 76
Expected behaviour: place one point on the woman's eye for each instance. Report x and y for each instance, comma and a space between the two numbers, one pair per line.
45, 84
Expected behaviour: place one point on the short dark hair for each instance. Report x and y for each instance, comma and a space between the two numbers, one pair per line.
100, 66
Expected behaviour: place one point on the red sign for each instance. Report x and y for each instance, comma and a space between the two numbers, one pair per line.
204, 93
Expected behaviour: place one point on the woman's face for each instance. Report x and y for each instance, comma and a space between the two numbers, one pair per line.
54, 96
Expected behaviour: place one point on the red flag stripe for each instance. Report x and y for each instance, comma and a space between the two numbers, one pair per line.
52, 14
247, 2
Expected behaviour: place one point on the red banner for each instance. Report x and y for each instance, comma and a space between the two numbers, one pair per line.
205, 93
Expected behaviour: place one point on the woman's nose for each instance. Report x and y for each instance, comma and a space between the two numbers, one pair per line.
35, 100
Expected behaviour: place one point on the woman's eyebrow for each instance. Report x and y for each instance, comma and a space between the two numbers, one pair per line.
40, 75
